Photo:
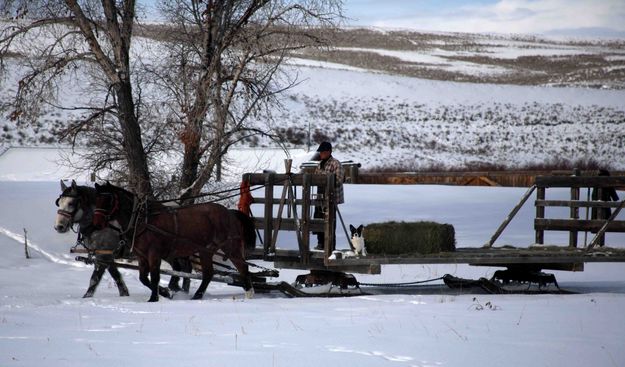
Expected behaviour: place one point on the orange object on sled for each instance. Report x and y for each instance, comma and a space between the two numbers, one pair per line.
246, 199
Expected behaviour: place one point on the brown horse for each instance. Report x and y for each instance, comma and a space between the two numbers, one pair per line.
163, 232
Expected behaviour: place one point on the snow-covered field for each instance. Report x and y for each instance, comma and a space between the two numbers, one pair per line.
418, 123
45, 322
385, 112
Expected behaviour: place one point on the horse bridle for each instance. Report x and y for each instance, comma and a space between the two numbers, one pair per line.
65, 213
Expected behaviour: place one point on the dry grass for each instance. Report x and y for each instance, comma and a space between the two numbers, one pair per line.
592, 67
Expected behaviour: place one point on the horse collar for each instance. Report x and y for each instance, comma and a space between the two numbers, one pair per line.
108, 213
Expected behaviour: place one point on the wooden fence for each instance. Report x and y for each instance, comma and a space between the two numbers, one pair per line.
298, 199
574, 224
299, 210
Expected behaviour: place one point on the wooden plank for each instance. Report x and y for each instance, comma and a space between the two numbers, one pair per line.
580, 181
546, 257
577, 203
510, 216
330, 216
480, 178
493, 257
540, 213
276, 201
268, 214
578, 225
599, 237
298, 224
574, 215
306, 204
289, 224
278, 222
279, 178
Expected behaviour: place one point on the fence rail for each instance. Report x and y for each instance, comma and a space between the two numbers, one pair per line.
602, 219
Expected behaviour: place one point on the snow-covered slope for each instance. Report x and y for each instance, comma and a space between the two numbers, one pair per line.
383, 115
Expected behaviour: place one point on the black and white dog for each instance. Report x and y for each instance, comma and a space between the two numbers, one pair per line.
358, 240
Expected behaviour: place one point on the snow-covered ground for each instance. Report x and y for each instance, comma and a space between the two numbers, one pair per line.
45, 322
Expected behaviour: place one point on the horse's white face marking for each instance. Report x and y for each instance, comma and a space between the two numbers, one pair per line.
68, 205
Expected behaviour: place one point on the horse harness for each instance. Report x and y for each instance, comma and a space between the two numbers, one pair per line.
141, 206
85, 231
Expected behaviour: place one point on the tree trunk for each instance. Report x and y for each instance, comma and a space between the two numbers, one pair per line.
138, 175
190, 164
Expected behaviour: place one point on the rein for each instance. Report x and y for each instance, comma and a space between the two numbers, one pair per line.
236, 191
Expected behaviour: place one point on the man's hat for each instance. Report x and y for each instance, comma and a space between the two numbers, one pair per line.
324, 147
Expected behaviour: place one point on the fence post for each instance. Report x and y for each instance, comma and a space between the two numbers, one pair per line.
305, 250
540, 214
574, 215
267, 233
330, 217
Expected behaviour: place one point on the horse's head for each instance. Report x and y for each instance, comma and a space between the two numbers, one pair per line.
70, 207
106, 205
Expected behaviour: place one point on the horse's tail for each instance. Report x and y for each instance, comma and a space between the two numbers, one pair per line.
247, 225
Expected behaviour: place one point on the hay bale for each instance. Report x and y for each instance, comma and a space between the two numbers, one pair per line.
396, 238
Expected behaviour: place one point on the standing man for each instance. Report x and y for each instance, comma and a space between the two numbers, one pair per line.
328, 164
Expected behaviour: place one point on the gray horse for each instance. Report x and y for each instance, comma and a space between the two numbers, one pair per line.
76, 205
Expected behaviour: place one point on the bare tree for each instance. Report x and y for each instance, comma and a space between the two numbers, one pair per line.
224, 67
71, 35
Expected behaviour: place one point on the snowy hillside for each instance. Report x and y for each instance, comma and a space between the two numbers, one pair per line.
419, 100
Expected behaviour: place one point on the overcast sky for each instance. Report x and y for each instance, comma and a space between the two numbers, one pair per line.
572, 17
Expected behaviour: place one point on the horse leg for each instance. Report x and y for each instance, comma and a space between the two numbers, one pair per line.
96, 277
155, 278
184, 265
173, 281
144, 270
207, 275
119, 281
188, 268
241, 266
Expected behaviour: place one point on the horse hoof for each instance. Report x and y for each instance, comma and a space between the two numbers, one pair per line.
88, 295
165, 292
198, 296
249, 294
153, 299
174, 288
